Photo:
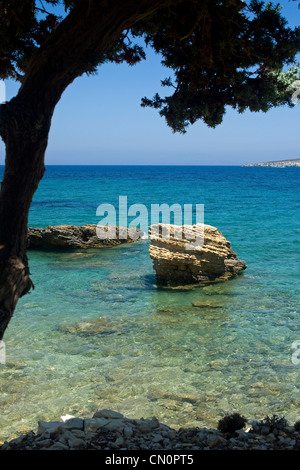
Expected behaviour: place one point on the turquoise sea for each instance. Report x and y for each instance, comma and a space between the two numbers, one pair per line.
98, 333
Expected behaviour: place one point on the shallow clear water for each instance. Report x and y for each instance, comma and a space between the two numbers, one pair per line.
98, 333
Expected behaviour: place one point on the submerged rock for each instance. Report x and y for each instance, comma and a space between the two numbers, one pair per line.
97, 326
84, 236
187, 255
206, 304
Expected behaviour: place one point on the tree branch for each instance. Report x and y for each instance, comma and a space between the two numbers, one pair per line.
82, 39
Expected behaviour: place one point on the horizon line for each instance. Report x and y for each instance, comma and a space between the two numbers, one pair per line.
135, 164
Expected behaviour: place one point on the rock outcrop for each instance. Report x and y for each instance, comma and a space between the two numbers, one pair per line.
179, 261
85, 236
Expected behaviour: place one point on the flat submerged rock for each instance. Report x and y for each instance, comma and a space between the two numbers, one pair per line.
84, 236
98, 326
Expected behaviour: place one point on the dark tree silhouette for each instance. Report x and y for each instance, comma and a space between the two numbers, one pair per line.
220, 52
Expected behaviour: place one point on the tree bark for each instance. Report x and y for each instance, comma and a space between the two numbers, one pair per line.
26, 140
87, 33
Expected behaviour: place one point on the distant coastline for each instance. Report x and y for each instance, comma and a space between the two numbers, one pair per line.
277, 164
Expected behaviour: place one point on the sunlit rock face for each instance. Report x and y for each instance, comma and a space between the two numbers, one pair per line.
197, 254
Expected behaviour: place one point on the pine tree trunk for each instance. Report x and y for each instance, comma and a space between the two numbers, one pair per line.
25, 135
88, 32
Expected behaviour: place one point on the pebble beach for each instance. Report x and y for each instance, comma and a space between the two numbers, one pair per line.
109, 430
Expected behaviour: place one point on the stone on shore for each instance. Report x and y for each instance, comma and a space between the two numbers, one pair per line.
191, 254
110, 430
84, 236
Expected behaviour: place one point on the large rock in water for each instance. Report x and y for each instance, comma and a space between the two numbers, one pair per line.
85, 236
178, 265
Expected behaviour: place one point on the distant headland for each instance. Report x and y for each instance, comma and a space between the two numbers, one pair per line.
277, 164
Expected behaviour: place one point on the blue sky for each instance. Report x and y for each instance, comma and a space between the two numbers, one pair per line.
99, 120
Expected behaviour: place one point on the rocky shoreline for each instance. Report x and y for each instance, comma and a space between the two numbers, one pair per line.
110, 430
278, 164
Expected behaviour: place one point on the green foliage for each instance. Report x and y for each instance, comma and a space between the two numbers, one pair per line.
297, 426
220, 53
25, 26
22, 32
274, 422
231, 423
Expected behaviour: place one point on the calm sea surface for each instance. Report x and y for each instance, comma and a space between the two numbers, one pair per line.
98, 333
